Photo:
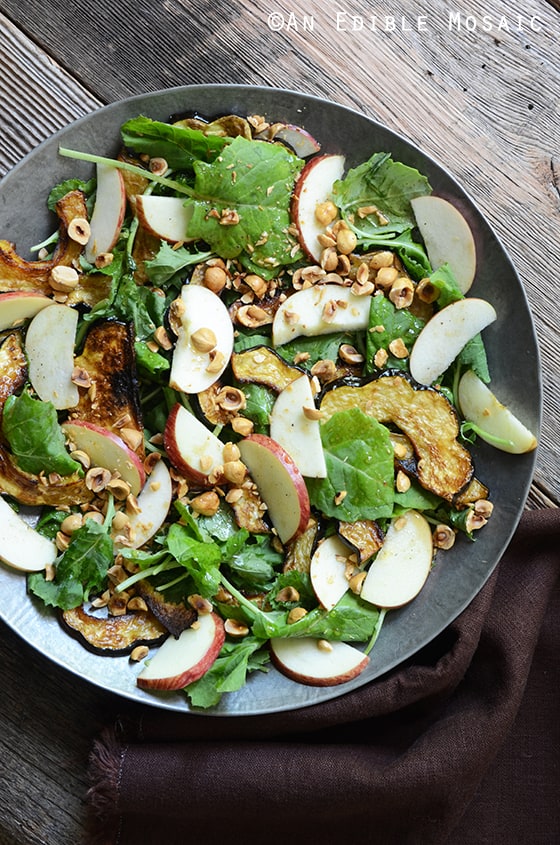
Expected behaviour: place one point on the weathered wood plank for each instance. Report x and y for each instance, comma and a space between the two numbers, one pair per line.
37, 97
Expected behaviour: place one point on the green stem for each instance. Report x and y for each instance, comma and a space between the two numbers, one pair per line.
376, 630
125, 165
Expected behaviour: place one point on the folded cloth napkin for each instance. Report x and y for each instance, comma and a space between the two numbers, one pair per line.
458, 745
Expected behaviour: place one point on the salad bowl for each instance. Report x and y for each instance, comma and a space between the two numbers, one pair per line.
457, 576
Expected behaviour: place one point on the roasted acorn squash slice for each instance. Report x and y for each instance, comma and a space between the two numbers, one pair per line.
424, 414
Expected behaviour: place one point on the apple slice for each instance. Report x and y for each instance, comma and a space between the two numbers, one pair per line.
165, 217
192, 449
445, 334
295, 431
20, 305
154, 502
479, 405
304, 660
107, 450
313, 187
403, 563
49, 345
108, 212
318, 310
299, 139
328, 571
279, 482
204, 342
447, 236
181, 661
20, 545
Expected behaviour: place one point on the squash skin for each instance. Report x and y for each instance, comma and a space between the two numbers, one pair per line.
425, 415
113, 636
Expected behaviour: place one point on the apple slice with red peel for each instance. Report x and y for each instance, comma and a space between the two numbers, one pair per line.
495, 422
49, 345
445, 335
279, 482
164, 217
328, 571
20, 305
204, 341
309, 661
21, 547
192, 449
154, 502
447, 236
318, 310
313, 187
399, 571
297, 432
108, 212
107, 450
299, 139
181, 661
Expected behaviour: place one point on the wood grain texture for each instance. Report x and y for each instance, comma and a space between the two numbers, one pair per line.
484, 104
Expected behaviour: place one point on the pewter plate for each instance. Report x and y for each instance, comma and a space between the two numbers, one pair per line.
460, 573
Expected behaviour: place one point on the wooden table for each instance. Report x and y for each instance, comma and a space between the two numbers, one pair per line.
480, 94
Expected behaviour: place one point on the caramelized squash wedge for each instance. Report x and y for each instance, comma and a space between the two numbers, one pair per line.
174, 617
36, 490
300, 551
113, 635
112, 401
364, 536
18, 274
427, 418
262, 365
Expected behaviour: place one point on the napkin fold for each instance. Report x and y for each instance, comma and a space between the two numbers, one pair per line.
458, 745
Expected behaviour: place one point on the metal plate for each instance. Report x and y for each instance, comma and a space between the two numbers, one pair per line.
458, 574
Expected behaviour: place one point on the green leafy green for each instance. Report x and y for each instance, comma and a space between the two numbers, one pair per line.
359, 458
241, 205
412, 254
229, 672
255, 563
169, 263
387, 323
68, 185
178, 145
385, 186
443, 280
36, 439
81, 570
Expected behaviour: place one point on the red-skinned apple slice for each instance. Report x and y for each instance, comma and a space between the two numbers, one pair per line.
399, 571
21, 547
108, 212
296, 432
447, 236
445, 335
279, 482
164, 217
107, 450
318, 310
328, 571
49, 345
313, 187
296, 137
307, 661
154, 502
20, 305
192, 449
181, 661
496, 423
205, 320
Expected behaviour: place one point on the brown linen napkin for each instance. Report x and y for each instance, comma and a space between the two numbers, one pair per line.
432, 753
